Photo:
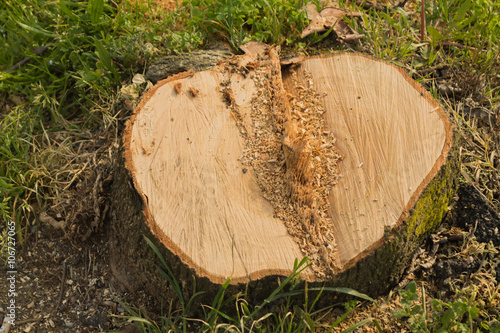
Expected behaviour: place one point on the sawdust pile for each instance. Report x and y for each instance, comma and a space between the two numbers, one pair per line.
312, 161
294, 159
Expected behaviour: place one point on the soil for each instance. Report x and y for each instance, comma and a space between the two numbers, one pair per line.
64, 282
473, 214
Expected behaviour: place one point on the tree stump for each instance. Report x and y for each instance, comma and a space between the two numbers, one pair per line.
238, 171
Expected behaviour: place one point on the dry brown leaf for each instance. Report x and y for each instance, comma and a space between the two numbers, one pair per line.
254, 47
330, 17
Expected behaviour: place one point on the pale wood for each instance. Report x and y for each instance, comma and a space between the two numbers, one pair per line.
184, 153
391, 135
183, 149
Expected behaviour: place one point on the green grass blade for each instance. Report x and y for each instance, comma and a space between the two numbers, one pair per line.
297, 269
357, 325
347, 291
463, 10
435, 35
222, 314
245, 309
36, 29
170, 276
377, 325
316, 299
69, 13
217, 302
95, 10
191, 300
339, 320
104, 57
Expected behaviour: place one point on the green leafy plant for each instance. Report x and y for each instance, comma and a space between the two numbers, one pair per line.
473, 27
462, 20
438, 316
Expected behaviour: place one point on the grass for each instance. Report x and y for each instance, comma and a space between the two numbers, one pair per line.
71, 88
273, 22
54, 107
267, 316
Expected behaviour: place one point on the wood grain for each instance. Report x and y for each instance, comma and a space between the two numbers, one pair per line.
184, 153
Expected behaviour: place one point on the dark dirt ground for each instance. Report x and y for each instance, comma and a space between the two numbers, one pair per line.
65, 283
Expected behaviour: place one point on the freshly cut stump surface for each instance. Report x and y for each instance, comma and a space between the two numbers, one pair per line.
393, 140
245, 168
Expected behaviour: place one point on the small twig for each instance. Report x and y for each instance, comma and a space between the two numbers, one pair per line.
95, 196
437, 23
481, 264
410, 270
422, 22
104, 213
63, 281
46, 218
473, 231
27, 321
37, 51
352, 37
462, 46
95, 224
75, 176
5, 328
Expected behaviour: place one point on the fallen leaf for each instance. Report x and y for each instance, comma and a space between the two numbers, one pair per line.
138, 79
330, 17
254, 47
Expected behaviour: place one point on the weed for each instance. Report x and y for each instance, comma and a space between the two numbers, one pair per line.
440, 316
460, 315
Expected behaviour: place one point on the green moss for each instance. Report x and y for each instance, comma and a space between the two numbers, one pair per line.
432, 205
378, 272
